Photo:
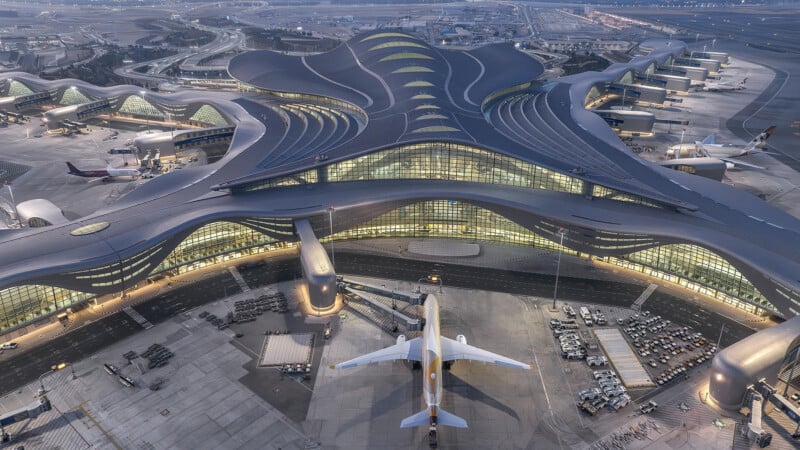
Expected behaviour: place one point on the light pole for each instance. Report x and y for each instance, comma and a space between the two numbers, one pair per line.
56, 368
330, 221
41, 380
146, 116
562, 232
13, 204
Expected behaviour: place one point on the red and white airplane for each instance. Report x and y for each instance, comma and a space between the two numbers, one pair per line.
432, 350
104, 175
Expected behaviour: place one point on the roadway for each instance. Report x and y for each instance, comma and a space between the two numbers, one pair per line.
184, 296
76, 345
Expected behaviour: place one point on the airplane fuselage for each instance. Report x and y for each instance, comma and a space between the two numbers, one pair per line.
432, 351
431, 358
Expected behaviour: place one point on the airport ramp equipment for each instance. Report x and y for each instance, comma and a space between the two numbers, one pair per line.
622, 358
408, 297
409, 322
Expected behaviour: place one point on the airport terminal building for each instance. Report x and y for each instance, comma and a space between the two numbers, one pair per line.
386, 136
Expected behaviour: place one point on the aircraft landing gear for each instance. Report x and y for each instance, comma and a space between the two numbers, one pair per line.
432, 441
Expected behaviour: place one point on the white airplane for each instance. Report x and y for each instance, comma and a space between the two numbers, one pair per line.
709, 147
103, 175
432, 350
716, 86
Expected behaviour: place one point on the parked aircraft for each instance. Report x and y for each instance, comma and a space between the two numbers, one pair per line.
716, 86
709, 147
433, 352
104, 175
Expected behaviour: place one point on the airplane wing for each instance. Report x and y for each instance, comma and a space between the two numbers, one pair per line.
408, 350
453, 350
738, 162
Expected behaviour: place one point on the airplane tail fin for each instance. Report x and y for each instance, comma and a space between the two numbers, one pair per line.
701, 151
72, 169
450, 420
710, 139
420, 419
423, 419
760, 140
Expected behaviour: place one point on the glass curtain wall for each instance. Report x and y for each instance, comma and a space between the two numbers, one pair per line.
20, 304
690, 266
700, 270
217, 242
435, 161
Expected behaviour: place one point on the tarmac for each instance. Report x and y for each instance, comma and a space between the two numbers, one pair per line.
206, 400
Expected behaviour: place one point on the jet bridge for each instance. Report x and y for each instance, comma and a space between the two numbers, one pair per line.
32, 411
317, 268
763, 398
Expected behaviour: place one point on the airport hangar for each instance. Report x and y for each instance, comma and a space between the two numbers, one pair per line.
386, 136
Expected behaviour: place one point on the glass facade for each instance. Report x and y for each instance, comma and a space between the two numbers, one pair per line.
404, 55
215, 242
433, 161
448, 219
352, 110
73, 96
15, 89
413, 69
395, 44
697, 269
21, 304
137, 106
209, 115
387, 35
612, 194
690, 266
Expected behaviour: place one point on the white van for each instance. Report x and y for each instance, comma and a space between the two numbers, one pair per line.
9, 346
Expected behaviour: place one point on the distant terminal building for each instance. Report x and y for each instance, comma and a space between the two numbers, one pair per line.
583, 44
387, 137
172, 142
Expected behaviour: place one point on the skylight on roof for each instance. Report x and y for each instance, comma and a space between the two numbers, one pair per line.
89, 229
397, 44
418, 84
435, 129
404, 55
413, 69
386, 35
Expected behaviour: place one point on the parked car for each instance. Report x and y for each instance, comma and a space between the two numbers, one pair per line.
589, 394
596, 361
603, 373
614, 391
619, 402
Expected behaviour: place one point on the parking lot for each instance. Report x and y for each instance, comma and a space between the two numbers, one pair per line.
668, 351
